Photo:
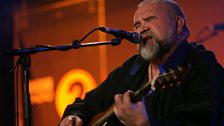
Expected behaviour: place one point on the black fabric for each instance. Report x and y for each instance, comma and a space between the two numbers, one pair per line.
189, 104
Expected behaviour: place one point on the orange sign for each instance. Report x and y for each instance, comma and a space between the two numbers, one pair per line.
42, 90
73, 84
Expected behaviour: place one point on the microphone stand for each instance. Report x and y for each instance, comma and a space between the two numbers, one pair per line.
25, 61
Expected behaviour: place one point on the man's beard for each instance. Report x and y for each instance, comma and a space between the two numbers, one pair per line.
155, 51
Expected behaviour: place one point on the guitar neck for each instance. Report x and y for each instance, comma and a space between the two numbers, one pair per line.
139, 94
102, 121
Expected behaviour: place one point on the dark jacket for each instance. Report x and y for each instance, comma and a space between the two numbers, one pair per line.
192, 103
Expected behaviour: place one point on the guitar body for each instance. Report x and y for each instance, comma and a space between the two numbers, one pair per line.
112, 121
106, 118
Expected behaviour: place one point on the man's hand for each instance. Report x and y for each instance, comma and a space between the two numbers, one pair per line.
71, 121
131, 114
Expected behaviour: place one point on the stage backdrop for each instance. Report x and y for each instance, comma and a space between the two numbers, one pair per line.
58, 77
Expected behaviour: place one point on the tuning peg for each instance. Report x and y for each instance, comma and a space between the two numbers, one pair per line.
171, 85
159, 81
171, 71
173, 74
166, 77
180, 68
178, 82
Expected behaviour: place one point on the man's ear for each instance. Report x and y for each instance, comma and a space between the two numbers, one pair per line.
180, 24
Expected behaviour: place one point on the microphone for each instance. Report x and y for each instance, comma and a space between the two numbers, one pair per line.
218, 27
133, 37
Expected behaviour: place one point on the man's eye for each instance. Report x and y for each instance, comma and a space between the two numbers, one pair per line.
136, 26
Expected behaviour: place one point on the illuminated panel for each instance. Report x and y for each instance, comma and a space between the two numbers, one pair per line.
55, 5
102, 37
41, 90
73, 84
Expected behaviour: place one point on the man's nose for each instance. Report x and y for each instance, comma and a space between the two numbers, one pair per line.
143, 29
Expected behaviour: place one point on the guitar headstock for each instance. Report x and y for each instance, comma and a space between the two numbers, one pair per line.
172, 78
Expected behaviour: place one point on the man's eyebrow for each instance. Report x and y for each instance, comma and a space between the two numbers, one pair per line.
150, 17
146, 18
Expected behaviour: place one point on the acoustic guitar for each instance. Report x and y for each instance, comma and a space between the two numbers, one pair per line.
172, 78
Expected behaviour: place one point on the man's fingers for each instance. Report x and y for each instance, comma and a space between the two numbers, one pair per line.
118, 98
128, 112
67, 121
71, 121
78, 122
127, 97
118, 114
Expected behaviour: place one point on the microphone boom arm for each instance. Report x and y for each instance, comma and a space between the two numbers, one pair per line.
75, 45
